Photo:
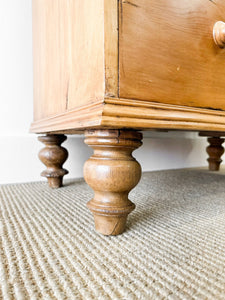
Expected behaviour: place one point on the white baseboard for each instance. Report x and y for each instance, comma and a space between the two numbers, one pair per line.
19, 161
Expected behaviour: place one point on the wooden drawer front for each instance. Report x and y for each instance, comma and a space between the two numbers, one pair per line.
167, 52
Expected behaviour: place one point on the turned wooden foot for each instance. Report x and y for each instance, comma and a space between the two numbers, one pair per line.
53, 156
112, 172
215, 150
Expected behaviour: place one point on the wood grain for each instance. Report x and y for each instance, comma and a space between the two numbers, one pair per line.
167, 52
168, 41
81, 118
130, 113
68, 46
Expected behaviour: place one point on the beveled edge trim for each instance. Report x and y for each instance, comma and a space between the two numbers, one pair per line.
143, 115
158, 105
120, 113
87, 116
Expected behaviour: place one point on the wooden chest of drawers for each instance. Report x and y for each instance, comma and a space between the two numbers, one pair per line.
112, 67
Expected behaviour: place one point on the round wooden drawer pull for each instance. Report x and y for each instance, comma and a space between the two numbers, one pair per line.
219, 34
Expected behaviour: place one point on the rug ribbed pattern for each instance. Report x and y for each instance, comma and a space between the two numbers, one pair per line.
173, 248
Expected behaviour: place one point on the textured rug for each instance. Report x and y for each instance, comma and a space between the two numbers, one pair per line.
173, 248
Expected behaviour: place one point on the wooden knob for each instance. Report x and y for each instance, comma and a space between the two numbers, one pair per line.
219, 34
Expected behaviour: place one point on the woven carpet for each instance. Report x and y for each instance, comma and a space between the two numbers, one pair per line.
173, 248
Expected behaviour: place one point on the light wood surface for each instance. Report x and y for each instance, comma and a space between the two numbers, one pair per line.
128, 113
144, 115
112, 172
168, 54
88, 116
68, 50
76, 68
53, 156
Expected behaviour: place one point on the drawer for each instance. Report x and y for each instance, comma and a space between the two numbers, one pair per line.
167, 52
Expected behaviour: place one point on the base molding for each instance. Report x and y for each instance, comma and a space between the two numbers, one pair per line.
72, 121
145, 115
117, 113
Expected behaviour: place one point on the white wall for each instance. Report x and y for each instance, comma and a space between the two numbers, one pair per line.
18, 148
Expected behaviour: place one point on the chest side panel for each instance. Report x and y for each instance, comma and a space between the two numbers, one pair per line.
68, 51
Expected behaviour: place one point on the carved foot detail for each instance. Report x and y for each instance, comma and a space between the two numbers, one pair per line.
215, 150
112, 173
53, 156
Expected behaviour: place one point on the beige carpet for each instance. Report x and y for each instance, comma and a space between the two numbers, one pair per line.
174, 246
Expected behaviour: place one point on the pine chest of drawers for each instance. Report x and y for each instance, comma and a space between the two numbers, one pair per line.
110, 68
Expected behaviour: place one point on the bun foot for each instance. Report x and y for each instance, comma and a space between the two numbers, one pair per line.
53, 156
112, 172
215, 149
